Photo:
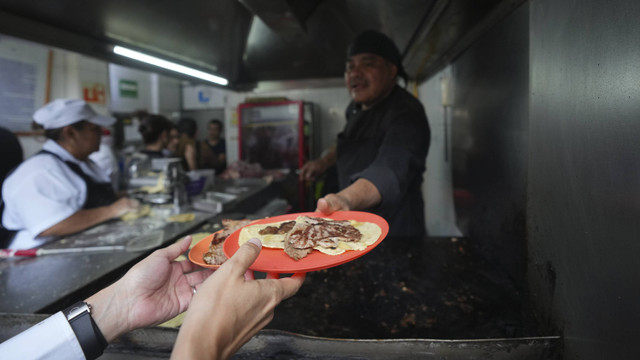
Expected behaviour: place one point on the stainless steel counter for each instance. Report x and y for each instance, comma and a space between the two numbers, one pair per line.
48, 283
31, 285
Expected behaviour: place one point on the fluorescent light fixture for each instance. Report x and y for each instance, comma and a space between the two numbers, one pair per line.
168, 65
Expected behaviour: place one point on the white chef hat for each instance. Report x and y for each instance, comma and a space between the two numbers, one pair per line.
62, 112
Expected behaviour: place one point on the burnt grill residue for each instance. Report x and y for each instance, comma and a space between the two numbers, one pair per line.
436, 289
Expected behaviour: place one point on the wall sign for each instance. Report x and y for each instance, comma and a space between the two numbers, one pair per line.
23, 76
200, 97
128, 88
204, 96
94, 93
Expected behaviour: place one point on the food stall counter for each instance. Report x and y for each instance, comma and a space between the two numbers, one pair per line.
48, 283
44, 284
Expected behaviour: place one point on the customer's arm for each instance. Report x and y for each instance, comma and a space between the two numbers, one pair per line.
153, 291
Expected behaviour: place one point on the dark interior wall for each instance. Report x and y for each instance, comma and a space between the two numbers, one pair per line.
489, 141
584, 173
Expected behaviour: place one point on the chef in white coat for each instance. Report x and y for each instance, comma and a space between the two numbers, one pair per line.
60, 191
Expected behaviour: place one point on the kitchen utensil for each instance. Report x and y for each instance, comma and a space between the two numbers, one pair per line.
144, 242
7, 253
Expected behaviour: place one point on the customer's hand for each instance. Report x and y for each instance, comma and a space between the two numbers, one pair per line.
151, 292
229, 309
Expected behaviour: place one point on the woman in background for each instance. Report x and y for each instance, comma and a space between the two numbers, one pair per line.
174, 138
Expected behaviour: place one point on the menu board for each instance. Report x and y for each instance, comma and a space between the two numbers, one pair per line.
23, 74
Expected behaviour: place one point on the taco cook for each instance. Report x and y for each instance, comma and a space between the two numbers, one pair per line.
59, 191
380, 155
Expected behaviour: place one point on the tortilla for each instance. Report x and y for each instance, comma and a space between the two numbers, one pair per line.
370, 234
275, 241
158, 187
186, 217
144, 210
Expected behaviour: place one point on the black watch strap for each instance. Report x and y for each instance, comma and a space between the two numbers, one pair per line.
89, 335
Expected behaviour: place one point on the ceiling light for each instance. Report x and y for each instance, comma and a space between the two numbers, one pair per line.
168, 65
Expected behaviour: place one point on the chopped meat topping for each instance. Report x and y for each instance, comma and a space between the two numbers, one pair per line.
314, 231
216, 256
282, 229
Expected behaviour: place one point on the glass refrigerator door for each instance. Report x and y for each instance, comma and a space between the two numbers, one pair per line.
277, 136
272, 134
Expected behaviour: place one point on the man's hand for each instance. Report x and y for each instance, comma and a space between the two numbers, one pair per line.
360, 195
229, 309
153, 291
312, 169
332, 203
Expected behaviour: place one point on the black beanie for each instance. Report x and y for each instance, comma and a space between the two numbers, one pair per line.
377, 43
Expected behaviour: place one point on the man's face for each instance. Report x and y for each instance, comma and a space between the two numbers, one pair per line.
88, 139
174, 139
214, 131
369, 78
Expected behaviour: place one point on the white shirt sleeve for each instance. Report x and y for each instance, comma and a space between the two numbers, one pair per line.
41, 193
53, 338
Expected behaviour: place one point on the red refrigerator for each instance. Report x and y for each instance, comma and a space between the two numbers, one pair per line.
277, 135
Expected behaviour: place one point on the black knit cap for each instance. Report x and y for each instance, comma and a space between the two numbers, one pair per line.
377, 43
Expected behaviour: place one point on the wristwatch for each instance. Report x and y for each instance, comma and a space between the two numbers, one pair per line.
87, 332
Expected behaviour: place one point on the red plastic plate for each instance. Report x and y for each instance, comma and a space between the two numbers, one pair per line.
276, 261
197, 252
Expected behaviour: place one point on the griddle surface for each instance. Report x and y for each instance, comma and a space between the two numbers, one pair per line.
440, 288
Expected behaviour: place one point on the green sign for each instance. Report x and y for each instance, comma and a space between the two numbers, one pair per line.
128, 88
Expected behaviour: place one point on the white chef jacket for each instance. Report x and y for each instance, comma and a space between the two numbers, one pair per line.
43, 191
106, 160
52, 338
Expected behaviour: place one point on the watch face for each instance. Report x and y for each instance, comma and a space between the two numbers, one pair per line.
76, 310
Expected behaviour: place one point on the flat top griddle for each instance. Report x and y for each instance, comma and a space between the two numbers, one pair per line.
436, 288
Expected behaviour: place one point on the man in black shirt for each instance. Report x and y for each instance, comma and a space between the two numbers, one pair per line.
380, 155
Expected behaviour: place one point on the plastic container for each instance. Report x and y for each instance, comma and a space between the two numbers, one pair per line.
195, 187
